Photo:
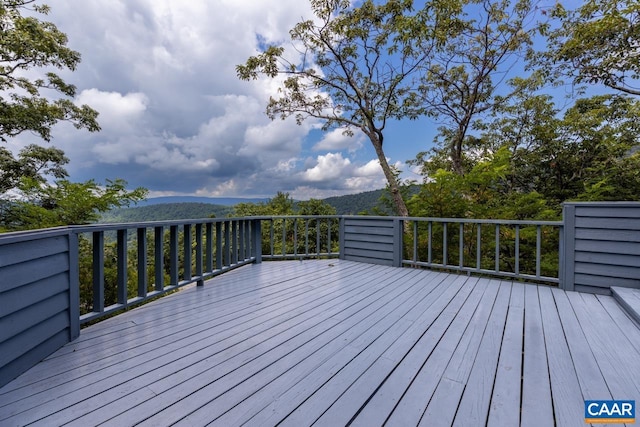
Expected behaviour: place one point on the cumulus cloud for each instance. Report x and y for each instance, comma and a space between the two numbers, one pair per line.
339, 139
176, 119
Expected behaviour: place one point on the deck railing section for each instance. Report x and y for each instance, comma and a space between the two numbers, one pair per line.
168, 255
528, 250
301, 237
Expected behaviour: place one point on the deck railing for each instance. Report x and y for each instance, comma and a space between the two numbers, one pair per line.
168, 255
528, 250
52, 281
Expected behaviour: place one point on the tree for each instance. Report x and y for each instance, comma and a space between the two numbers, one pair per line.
35, 193
357, 68
463, 80
33, 162
596, 43
26, 43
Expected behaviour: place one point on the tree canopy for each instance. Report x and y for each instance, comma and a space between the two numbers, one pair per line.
27, 104
357, 68
598, 42
36, 194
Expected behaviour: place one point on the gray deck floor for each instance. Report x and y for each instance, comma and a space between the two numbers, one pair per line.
336, 343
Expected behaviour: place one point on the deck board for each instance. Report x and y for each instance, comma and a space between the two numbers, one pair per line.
335, 342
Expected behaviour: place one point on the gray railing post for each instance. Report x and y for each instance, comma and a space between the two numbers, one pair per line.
74, 287
341, 237
568, 248
256, 227
398, 250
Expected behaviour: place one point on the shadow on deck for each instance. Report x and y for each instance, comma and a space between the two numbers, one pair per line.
335, 342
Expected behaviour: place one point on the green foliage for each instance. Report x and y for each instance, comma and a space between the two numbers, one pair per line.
65, 203
27, 43
359, 67
596, 43
464, 81
29, 200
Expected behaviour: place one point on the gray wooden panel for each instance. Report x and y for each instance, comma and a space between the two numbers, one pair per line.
16, 346
607, 223
20, 321
587, 280
375, 231
537, 408
20, 252
17, 275
608, 235
609, 210
610, 271
629, 300
293, 350
373, 246
568, 403
611, 259
623, 248
446, 399
189, 360
24, 296
369, 238
505, 400
367, 253
411, 406
618, 361
344, 340
369, 222
30, 357
473, 409
589, 375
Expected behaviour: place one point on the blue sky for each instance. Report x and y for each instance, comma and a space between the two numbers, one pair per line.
175, 118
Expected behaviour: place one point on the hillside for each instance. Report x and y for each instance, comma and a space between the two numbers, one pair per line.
170, 208
167, 211
353, 204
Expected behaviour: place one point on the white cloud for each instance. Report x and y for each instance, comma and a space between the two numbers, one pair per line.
337, 140
329, 167
176, 119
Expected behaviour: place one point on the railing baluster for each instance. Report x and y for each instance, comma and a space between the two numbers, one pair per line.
209, 247
143, 276
219, 247
227, 244
98, 271
497, 247
173, 255
241, 254
122, 291
329, 245
479, 248
295, 237
461, 245
158, 255
187, 240
234, 242
415, 241
445, 249
306, 237
199, 254
318, 225
430, 248
517, 249
284, 237
272, 233
538, 249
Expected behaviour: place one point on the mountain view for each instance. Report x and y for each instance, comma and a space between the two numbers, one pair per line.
187, 207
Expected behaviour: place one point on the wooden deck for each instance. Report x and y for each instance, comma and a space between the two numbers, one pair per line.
334, 343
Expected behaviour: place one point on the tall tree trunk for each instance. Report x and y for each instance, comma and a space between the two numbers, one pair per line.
396, 196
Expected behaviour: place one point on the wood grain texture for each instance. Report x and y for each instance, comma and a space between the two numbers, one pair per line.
335, 342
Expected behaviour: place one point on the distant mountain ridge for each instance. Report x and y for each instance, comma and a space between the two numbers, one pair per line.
224, 201
193, 207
